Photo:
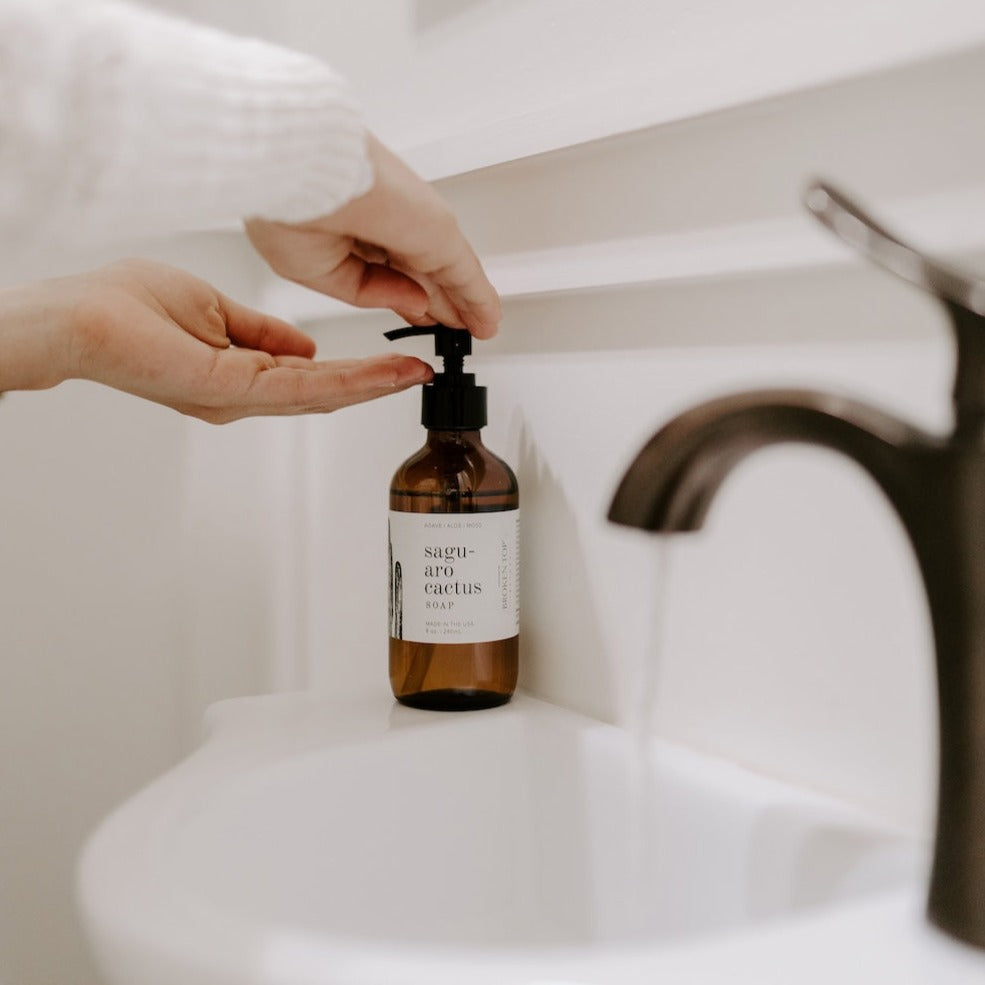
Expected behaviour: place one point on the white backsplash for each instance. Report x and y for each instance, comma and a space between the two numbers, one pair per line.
793, 632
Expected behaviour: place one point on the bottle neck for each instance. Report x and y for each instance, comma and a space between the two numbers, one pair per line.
454, 436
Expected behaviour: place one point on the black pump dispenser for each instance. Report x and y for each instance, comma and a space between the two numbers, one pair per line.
452, 402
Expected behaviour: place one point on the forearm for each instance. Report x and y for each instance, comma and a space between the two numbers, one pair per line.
117, 121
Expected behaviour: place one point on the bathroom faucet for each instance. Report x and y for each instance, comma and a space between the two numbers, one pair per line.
936, 483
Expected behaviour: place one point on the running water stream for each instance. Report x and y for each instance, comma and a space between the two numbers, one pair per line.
642, 795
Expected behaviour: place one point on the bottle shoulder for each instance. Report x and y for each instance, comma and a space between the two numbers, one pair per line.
454, 468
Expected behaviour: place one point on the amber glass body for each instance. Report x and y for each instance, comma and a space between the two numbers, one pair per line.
454, 473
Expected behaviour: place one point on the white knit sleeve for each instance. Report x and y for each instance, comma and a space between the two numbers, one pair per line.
117, 121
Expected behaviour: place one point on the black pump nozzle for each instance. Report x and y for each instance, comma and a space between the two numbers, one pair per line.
452, 401
452, 344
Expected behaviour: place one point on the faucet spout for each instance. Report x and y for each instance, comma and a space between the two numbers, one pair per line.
670, 485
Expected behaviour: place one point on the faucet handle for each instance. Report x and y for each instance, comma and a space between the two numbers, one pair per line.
857, 228
962, 295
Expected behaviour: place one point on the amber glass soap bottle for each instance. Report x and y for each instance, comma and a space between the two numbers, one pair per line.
454, 550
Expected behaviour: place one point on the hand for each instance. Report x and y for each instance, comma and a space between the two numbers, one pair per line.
162, 334
398, 246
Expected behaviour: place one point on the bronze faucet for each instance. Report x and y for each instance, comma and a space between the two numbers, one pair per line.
936, 484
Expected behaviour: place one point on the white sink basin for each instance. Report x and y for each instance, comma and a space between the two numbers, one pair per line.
312, 842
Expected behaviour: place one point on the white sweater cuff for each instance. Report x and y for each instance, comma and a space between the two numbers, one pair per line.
141, 124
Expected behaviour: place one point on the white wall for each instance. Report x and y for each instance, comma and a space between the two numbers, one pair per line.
89, 630
134, 591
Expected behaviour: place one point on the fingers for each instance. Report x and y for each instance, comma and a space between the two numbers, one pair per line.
418, 297
254, 330
397, 246
407, 217
443, 307
245, 384
480, 309
459, 292
370, 285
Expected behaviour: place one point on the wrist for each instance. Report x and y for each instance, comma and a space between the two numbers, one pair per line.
36, 337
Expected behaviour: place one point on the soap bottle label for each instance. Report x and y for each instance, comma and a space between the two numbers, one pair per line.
454, 577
